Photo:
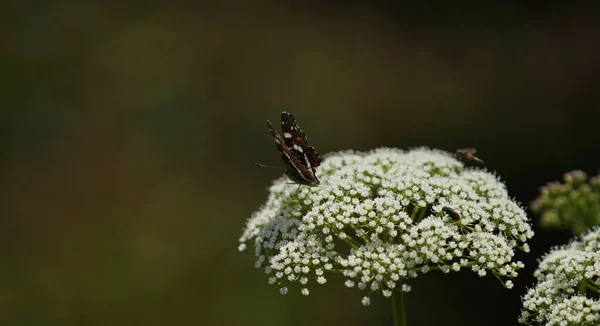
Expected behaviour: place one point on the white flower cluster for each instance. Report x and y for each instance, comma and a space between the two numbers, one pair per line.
382, 217
568, 285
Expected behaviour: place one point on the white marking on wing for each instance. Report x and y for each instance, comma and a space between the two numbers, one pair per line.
308, 166
298, 148
297, 169
287, 135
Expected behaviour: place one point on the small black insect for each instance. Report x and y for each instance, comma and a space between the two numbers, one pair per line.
468, 156
300, 159
452, 213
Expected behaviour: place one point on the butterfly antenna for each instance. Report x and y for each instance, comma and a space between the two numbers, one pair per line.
269, 166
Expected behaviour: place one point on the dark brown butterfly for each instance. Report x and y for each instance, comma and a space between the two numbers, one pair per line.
468, 155
300, 159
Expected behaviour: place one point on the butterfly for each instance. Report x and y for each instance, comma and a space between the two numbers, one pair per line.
300, 160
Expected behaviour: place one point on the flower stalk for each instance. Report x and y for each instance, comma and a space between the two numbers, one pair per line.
398, 308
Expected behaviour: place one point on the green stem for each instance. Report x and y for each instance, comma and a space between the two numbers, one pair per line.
592, 286
415, 211
422, 211
351, 242
398, 307
582, 287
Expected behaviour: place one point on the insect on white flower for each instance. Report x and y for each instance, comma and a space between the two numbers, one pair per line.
300, 159
384, 217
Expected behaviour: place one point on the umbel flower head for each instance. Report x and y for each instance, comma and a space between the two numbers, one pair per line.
568, 285
574, 204
386, 216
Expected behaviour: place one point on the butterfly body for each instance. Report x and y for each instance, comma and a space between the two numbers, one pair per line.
300, 160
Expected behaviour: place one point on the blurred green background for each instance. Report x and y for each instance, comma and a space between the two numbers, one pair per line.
129, 134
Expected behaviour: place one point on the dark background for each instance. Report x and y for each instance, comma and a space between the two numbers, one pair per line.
129, 135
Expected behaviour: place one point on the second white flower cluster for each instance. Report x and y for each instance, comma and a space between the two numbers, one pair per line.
568, 285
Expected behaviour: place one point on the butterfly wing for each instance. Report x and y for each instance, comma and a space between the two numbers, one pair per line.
293, 136
298, 172
313, 157
295, 169
276, 137
295, 139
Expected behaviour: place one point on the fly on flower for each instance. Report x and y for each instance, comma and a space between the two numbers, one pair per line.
452, 213
468, 155
300, 159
